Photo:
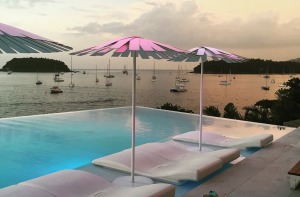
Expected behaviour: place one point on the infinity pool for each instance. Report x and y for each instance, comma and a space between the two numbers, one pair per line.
37, 145
33, 146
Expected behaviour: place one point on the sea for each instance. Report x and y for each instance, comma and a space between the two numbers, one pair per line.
20, 96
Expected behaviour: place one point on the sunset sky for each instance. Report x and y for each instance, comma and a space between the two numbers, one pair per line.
268, 29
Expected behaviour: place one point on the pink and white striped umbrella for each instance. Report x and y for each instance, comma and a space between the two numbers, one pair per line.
204, 53
123, 47
134, 46
14, 40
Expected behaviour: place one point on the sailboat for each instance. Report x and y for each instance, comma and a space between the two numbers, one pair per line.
96, 80
38, 82
266, 87
267, 75
225, 82
138, 77
125, 70
108, 75
71, 84
283, 84
153, 76
108, 82
184, 77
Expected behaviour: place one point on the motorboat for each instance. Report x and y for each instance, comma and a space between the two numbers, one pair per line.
265, 87
55, 90
38, 82
225, 83
283, 85
57, 78
178, 88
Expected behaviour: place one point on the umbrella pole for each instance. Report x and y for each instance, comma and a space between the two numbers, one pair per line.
200, 106
133, 116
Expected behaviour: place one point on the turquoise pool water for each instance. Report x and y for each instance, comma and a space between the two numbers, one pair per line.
37, 145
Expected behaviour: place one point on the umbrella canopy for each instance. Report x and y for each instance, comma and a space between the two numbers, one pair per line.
14, 40
204, 53
134, 46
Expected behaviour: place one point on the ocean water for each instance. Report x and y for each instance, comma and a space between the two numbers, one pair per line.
20, 96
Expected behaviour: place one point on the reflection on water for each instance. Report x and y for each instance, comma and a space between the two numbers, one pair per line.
21, 96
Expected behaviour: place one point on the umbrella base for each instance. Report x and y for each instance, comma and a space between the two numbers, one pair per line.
125, 181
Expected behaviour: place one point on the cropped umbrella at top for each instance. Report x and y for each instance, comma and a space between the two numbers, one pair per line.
15, 40
202, 54
133, 46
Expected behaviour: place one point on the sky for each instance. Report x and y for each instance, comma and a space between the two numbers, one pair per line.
268, 29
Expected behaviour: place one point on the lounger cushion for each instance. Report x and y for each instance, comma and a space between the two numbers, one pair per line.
169, 162
23, 191
215, 139
76, 183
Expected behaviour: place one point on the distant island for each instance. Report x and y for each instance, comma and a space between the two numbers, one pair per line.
252, 66
32, 64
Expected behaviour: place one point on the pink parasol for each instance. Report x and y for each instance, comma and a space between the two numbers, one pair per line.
204, 53
14, 40
134, 46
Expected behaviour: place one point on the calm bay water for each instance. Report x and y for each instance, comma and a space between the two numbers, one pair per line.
20, 96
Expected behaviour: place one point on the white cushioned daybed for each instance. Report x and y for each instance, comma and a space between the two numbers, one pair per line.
215, 139
76, 183
169, 162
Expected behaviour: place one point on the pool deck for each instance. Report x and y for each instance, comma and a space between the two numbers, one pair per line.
264, 173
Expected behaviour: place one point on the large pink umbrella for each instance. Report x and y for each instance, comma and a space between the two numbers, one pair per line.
14, 40
204, 53
134, 46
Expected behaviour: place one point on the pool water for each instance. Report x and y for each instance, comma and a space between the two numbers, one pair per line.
33, 146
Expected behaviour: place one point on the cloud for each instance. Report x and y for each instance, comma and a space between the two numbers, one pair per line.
24, 3
187, 25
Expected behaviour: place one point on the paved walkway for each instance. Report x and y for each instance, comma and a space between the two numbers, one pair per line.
262, 174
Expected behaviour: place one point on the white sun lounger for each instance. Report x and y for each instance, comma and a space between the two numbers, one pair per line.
169, 162
76, 183
211, 138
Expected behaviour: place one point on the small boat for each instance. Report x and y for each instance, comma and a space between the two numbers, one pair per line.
283, 85
125, 71
83, 72
225, 83
96, 80
273, 81
265, 87
183, 79
153, 76
108, 82
57, 78
178, 88
9, 72
71, 85
38, 82
55, 90
108, 75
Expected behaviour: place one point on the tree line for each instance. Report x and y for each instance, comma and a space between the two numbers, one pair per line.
252, 66
284, 108
32, 64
